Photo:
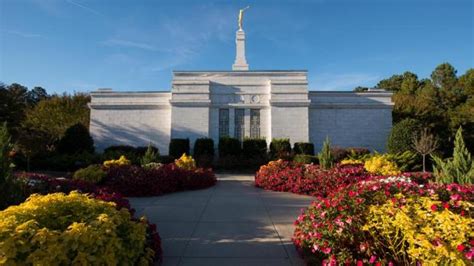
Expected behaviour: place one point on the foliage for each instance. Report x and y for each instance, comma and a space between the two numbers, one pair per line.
9, 190
351, 161
306, 179
331, 231
381, 165
152, 165
280, 149
420, 229
121, 161
134, 154
71, 229
134, 181
229, 146
254, 148
151, 155
305, 159
443, 103
306, 148
177, 147
204, 152
405, 161
53, 116
326, 159
93, 173
425, 143
76, 139
459, 169
401, 136
186, 162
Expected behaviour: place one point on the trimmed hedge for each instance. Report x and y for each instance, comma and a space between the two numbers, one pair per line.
254, 148
177, 147
401, 136
229, 146
280, 148
203, 146
306, 148
76, 139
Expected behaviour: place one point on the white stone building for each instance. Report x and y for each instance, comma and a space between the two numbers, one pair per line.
240, 103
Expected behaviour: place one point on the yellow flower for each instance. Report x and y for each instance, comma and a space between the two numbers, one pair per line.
381, 165
351, 161
186, 162
121, 161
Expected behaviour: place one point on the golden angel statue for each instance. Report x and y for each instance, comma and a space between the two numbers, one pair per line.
241, 16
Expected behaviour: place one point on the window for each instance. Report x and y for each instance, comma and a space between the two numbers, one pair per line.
239, 129
223, 123
255, 123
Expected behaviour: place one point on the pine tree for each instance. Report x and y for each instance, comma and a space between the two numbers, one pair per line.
458, 169
326, 159
150, 156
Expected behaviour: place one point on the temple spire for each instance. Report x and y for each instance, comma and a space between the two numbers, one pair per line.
240, 61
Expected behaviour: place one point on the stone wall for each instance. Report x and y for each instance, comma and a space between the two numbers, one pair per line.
350, 119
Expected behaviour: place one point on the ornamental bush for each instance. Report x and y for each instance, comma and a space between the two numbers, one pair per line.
204, 152
411, 229
306, 179
252, 148
76, 139
71, 229
229, 147
92, 173
341, 229
305, 148
178, 147
280, 149
401, 136
305, 159
121, 161
134, 181
134, 154
186, 162
151, 155
381, 165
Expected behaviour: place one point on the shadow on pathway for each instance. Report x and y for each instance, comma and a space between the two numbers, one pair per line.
232, 223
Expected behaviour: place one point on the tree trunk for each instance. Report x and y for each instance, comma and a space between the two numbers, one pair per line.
424, 170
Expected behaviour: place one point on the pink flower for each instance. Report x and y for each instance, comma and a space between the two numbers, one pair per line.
470, 254
372, 259
360, 263
326, 250
456, 197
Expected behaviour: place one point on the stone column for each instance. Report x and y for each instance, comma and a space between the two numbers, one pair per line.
247, 122
231, 122
240, 61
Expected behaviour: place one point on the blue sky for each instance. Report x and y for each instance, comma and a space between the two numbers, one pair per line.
81, 45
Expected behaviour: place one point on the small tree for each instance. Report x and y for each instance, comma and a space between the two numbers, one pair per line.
459, 169
5, 149
76, 139
151, 155
326, 159
425, 144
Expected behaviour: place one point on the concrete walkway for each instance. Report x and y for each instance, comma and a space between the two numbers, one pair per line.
232, 223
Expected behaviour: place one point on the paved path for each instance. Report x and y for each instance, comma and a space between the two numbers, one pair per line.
232, 223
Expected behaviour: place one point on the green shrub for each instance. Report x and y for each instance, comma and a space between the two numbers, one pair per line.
401, 136
305, 158
203, 147
458, 169
229, 146
76, 139
178, 147
405, 161
306, 148
92, 173
151, 155
325, 157
280, 149
74, 229
254, 148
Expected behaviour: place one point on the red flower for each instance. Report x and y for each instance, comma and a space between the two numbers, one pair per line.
446, 205
360, 263
460, 248
434, 207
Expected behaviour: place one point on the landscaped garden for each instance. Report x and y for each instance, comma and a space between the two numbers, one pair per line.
368, 211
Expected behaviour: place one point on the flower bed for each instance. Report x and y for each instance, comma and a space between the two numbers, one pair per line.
75, 229
136, 181
389, 221
307, 179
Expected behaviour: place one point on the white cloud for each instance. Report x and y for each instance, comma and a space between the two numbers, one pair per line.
342, 81
91, 10
130, 44
22, 34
